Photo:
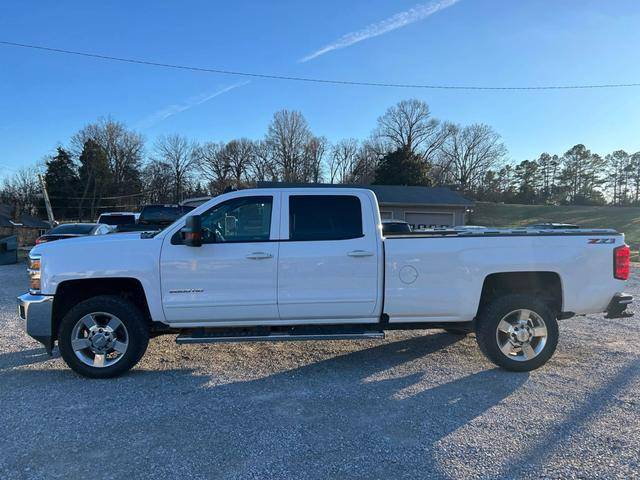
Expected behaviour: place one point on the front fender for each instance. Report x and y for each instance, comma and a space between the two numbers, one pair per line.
106, 256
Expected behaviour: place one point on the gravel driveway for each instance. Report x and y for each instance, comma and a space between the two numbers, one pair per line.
421, 404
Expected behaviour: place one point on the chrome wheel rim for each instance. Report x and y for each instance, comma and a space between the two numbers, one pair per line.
521, 335
99, 339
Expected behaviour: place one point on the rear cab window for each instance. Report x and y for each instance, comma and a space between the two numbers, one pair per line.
324, 217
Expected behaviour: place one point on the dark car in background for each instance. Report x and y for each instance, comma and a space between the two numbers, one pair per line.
390, 227
155, 217
73, 230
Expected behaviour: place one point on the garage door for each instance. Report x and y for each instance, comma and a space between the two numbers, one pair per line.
386, 215
429, 219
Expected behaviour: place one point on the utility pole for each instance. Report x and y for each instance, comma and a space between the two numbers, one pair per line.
47, 202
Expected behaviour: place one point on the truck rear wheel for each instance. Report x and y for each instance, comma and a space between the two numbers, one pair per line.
517, 332
103, 337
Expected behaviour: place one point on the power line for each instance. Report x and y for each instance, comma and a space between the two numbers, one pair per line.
105, 198
315, 80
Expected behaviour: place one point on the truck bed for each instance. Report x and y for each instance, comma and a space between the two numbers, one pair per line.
445, 278
504, 232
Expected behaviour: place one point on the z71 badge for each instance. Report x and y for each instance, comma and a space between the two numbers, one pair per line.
601, 241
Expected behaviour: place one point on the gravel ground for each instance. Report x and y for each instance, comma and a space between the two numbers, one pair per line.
417, 405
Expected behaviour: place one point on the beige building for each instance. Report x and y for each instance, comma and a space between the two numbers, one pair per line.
422, 207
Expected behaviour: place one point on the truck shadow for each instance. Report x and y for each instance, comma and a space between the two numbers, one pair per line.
368, 413
558, 436
25, 357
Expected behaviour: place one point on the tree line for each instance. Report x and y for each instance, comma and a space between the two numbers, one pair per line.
107, 166
577, 177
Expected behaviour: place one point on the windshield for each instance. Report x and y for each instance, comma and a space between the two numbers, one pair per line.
117, 219
72, 229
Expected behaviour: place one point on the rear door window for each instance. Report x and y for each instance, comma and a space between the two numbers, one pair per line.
324, 217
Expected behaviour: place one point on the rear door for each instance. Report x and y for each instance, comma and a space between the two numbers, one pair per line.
328, 261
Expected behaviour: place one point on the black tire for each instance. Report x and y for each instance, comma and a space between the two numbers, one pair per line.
487, 326
458, 331
136, 326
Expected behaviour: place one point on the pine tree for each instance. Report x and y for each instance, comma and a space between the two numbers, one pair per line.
402, 167
95, 179
62, 183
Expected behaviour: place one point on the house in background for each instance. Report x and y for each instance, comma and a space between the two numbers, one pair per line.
26, 227
421, 207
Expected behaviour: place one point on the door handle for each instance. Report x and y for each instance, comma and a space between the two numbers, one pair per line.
258, 255
360, 253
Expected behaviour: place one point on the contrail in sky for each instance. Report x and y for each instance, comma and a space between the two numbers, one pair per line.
399, 20
176, 108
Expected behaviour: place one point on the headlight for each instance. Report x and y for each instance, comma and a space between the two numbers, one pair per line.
34, 273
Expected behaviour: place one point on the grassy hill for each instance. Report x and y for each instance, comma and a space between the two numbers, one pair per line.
623, 219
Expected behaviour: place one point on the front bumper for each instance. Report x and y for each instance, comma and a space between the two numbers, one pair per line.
37, 310
618, 306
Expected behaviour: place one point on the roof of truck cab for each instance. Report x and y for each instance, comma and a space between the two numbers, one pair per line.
391, 194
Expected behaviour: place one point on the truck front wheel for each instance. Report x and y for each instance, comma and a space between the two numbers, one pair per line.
517, 332
103, 337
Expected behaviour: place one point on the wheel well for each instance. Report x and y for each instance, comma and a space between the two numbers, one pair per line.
72, 292
545, 285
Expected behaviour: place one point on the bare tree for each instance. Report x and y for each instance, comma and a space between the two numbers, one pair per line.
158, 181
288, 136
367, 161
214, 166
408, 125
23, 190
315, 151
468, 153
238, 155
123, 149
343, 160
179, 156
263, 167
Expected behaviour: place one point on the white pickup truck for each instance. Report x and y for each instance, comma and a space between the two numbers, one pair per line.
310, 264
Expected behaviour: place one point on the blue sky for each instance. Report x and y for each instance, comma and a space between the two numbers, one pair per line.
46, 97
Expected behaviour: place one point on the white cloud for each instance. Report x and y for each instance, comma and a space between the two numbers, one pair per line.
399, 20
176, 108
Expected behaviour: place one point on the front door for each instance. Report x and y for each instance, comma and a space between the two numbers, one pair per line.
232, 277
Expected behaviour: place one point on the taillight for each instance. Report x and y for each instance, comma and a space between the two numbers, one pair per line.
40, 240
621, 258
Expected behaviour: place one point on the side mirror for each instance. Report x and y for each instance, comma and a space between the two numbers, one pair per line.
193, 231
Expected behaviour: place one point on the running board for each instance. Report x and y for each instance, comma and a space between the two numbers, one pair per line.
277, 337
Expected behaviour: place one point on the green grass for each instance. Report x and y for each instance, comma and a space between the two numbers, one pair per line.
623, 219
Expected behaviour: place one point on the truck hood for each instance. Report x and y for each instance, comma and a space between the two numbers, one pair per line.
86, 241
119, 255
